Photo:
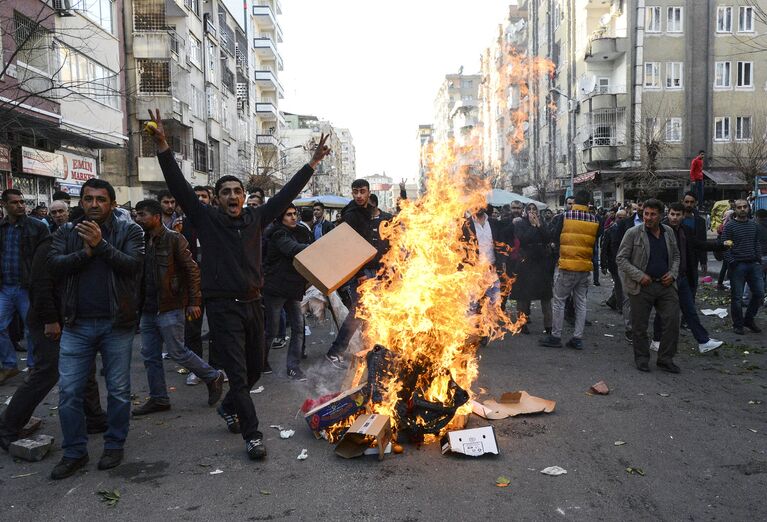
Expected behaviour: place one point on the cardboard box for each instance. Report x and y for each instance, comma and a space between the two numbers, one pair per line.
473, 442
337, 409
368, 431
334, 259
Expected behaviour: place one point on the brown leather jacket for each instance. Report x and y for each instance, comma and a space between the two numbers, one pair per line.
176, 273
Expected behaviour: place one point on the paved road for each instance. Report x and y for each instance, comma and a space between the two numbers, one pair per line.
698, 440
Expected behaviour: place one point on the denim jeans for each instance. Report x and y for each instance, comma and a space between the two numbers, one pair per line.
566, 283
168, 328
13, 298
697, 189
274, 306
740, 275
79, 345
689, 313
351, 323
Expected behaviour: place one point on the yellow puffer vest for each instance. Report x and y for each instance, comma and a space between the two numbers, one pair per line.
576, 243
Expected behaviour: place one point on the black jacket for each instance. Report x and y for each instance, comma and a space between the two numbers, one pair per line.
122, 249
699, 234
280, 277
361, 220
44, 293
231, 262
176, 274
689, 247
32, 232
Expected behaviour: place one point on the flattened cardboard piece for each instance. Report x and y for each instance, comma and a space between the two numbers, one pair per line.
337, 409
473, 442
334, 259
357, 439
513, 404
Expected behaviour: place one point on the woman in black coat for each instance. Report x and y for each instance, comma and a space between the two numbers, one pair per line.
284, 286
535, 271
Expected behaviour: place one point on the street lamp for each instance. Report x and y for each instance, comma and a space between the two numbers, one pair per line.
572, 106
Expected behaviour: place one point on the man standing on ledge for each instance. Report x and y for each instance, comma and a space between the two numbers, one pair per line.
232, 277
696, 176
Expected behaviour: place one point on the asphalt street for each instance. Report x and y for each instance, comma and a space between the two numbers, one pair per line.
698, 438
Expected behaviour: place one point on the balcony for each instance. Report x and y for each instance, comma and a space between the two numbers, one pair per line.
605, 49
267, 111
268, 81
264, 17
601, 154
267, 140
152, 45
266, 49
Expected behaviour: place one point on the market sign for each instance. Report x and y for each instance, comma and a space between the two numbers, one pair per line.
42, 163
78, 169
5, 158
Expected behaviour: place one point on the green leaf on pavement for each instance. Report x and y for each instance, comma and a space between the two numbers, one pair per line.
502, 482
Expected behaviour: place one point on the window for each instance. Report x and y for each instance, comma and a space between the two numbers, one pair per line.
200, 156
193, 5
198, 103
722, 129
652, 19
148, 15
674, 22
722, 75
724, 20
745, 75
34, 42
467, 84
652, 75
78, 73
674, 75
212, 58
746, 19
195, 51
743, 128
153, 76
213, 104
674, 130
603, 85
100, 11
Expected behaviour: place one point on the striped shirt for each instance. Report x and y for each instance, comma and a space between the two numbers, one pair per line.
744, 235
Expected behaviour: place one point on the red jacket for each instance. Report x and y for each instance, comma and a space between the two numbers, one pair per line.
696, 169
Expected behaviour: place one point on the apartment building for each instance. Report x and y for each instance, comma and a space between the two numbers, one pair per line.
214, 76
640, 87
61, 93
456, 108
348, 155
385, 189
425, 148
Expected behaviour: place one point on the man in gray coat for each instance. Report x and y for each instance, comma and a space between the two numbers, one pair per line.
649, 260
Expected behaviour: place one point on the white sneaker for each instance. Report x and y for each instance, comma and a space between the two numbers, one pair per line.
712, 344
307, 330
192, 380
655, 346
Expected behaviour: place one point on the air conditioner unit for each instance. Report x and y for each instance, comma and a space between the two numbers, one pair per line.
63, 7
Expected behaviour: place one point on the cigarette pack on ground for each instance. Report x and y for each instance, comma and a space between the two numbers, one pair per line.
473, 442
337, 409
334, 259
368, 431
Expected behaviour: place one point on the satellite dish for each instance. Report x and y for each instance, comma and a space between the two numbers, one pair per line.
588, 84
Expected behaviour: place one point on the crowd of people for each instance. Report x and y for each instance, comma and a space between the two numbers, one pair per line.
84, 280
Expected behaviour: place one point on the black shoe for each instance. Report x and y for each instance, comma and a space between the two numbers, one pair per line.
111, 458
629, 335
151, 406
68, 467
5, 442
232, 422
296, 375
547, 331
596, 283
739, 330
267, 369
215, 389
751, 325
587, 323
669, 366
337, 360
279, 343
256, 449
643, 366
551, 341
575, 343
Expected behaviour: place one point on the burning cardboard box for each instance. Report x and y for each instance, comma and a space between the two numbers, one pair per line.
338, 409
474, 442
334, 259
368, 431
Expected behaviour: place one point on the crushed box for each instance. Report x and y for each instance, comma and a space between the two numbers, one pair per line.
371, 430
473, 442
334, 259
337, 409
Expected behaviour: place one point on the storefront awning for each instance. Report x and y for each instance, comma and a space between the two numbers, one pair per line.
725, 177
585, 178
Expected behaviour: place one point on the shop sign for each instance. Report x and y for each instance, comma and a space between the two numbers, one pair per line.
42, 163
78, 169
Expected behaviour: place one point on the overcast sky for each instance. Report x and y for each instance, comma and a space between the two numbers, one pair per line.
375, 67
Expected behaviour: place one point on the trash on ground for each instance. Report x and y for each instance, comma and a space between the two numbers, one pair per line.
335, 409
257, 390
754, 402
600, 388
554, 471
110, 498
303, 455
286, 434
619, 443
664, 394
609, 335
182, 371
719, 312
216, 472
635, 471
512, 404
367, 431
24, 475
264, 492
398, 448
502, 482
472, 442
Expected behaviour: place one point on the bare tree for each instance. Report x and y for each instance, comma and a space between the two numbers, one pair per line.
748, 153
654, 137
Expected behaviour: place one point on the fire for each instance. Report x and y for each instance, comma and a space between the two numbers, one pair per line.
428, 305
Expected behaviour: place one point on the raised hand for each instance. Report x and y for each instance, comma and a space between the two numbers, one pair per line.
157, 130
320, 152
